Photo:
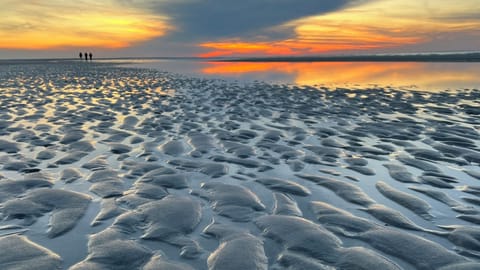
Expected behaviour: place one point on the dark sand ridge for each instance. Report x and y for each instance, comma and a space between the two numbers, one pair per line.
156, 170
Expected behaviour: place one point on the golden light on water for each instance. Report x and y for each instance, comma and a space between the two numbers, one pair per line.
398, 74
61, 24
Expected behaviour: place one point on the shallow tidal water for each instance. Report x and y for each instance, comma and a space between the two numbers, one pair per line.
106, 167
424, 76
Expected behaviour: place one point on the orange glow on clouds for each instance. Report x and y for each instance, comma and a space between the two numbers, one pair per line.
373, 25
298, 47
62, 24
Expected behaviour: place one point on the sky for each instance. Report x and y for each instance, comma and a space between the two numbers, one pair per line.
211, 28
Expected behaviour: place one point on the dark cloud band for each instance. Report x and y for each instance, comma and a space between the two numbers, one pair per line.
211, 19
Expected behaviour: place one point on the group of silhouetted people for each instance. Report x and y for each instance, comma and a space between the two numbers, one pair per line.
87, 55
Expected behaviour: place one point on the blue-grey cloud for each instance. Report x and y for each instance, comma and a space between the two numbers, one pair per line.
211, 19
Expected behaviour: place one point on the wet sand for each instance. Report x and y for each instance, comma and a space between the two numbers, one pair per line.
103, 167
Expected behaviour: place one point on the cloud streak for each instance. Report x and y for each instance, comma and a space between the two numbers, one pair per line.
376, 25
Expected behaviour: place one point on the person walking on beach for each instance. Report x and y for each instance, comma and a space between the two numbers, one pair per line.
81, 56
86, 56
90, 54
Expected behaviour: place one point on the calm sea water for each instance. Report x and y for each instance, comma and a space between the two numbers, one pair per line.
405, 75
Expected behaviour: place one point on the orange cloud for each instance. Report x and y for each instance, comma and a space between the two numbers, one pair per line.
239, 48
309, 41
29, 25
373, 25
297, 47
235, 68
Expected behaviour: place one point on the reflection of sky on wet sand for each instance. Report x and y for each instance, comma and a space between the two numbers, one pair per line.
424, 76
397, 74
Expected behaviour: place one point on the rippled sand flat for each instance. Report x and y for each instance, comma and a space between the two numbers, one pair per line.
104, 167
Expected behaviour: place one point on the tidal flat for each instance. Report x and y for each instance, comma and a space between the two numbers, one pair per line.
107, 167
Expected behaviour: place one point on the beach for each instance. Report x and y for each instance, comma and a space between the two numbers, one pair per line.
108, 167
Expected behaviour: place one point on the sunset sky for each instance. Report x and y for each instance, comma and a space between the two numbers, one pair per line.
116, 28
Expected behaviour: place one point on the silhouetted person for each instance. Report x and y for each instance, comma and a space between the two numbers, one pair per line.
81, 56
90, 54
86, 56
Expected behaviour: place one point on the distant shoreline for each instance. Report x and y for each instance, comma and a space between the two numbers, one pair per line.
473, 57
454, 57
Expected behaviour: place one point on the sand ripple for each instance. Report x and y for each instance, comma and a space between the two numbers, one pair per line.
104, 167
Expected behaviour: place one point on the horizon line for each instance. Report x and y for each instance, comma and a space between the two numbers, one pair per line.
446, 56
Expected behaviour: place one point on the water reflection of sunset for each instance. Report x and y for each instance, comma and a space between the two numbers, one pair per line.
423, 75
